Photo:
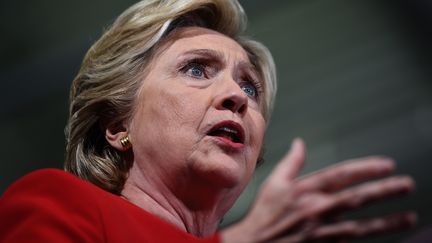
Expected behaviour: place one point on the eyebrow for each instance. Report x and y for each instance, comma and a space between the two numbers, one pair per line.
212, 54
205, 52
248, 66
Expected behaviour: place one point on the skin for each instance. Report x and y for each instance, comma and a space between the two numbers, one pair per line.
311, 207
179, 173
190, 179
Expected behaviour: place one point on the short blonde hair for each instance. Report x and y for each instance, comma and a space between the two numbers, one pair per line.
104, 91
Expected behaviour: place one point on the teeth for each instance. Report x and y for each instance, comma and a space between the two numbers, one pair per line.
228, 132
226, 129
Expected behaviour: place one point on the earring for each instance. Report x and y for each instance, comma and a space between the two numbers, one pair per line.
125, 142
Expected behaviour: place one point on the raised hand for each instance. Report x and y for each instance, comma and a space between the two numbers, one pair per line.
308, 209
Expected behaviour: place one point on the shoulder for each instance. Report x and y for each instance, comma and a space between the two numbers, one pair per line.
51, 184
54, 206
49, 205
44, 178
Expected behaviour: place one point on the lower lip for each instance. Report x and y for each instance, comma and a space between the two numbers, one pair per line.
229, 143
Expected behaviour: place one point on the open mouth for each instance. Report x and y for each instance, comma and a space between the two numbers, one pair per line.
229, 130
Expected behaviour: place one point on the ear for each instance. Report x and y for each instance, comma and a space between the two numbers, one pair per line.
114, 133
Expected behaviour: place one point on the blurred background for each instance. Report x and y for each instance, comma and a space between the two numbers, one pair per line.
355, 78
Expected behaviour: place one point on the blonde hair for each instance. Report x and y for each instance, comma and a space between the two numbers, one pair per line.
104, 91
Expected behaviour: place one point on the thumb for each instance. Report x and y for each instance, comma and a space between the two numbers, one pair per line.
289, 167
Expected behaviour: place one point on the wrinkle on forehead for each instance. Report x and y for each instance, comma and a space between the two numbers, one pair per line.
189, 32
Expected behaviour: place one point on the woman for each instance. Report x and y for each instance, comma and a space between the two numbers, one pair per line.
167, 119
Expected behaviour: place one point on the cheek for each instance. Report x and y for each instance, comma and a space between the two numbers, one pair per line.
170, 116
170, 104
258, 126
257, 130
183, 109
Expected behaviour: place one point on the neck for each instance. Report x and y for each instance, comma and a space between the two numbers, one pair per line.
191, 206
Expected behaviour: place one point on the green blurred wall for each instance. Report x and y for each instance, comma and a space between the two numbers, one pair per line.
354, 80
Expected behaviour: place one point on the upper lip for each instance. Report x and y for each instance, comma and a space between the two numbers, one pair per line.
230, 125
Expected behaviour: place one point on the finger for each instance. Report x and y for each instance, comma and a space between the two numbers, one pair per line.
347, 173
289, 167
359, 228
373, 191
325, 205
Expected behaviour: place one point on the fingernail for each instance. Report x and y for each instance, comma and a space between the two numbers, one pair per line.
387, 164
296, 142
409, 183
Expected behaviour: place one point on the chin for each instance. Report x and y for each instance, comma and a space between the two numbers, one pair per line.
222, 171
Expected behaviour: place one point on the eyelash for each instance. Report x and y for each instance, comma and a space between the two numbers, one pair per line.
256, 84
203, 67
194, 64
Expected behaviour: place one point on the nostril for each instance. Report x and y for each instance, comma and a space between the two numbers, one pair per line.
228, 104
242, 109
234, 106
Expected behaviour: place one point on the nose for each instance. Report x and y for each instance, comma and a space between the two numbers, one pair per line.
233, 99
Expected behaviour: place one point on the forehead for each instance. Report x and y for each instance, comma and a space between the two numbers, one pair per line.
188, 38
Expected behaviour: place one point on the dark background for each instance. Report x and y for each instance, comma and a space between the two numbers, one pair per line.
355, 79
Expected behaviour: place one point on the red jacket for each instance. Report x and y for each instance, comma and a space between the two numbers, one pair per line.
54, 206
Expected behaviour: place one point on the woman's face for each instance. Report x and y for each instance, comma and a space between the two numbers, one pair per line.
199, 114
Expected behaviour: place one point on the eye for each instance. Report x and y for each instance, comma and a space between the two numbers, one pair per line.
250, 90
194, 70
250, 82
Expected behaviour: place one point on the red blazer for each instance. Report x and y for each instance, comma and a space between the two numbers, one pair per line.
54, 206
